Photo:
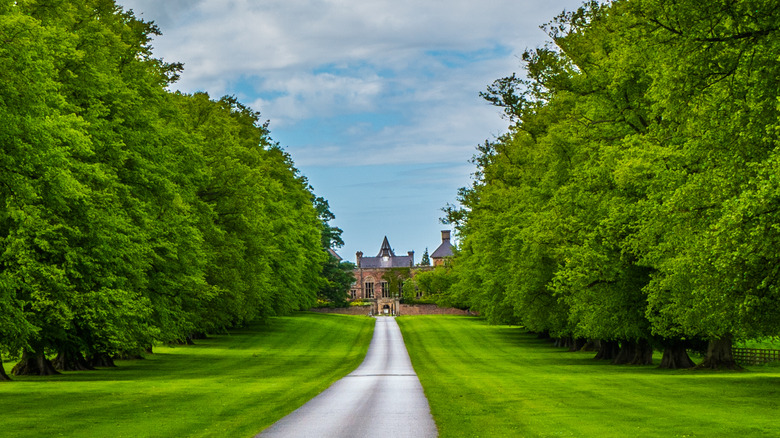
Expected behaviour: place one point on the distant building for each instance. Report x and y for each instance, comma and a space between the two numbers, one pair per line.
444, 250
370, 283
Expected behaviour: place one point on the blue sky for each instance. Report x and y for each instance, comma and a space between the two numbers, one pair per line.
377, 101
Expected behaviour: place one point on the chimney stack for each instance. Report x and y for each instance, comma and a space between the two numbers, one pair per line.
445, 235
359, 255
411, 258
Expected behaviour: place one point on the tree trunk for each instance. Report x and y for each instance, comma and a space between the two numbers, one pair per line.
135, 354
3, 376
643, 354
565, 342
719, 355
186, 341
128, 355
591, 345
625, 354
608, 350
634, 353
34, 364
101, 360
676, 357
543, 335
71, 360
577, 344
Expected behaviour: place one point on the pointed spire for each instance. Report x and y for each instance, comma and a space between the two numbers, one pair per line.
386, 250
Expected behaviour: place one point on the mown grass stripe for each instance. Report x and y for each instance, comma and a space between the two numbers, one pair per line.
228, 385
497, 381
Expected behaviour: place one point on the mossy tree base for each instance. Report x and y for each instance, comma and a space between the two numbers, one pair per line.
101, 360
34, 364
634, 353
719, 356
676, 357
608, 350
68, 360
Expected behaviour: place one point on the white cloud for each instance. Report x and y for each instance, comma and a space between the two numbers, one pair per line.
284, 42
305, 95
220, 39
360, 83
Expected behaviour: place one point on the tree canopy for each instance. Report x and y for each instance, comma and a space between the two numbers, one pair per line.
132, 214
633, 197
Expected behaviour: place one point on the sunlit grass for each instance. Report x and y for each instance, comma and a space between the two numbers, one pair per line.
228, 385
498, 381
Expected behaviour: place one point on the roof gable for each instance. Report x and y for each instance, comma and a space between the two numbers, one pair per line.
444, 250
386, 250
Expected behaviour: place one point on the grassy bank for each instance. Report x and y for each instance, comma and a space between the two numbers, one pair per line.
228, 385
497, 381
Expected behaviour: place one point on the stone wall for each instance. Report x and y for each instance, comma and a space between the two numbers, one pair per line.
353, 310
431, 309
404, 309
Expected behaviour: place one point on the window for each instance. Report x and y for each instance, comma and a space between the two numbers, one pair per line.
369, 289
353, 293
385, 290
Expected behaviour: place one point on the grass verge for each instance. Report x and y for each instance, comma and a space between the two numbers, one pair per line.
227, 385
498, 381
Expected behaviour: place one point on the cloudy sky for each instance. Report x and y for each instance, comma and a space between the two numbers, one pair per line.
377, 101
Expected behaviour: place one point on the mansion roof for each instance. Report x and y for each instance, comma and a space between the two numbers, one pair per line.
445, 249
389, 262
386, 258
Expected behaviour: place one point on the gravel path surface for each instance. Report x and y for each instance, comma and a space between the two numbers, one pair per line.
382, 398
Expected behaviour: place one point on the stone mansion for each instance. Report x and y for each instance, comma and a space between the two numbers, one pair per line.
369, 271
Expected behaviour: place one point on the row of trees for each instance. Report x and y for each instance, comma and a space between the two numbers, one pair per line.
130, 214
635, 198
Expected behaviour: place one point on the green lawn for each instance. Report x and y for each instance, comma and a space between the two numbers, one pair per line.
497, 381
225, 386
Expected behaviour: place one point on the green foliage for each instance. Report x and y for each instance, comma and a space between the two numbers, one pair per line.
133, 215
770, 343
634, 194
409, 290
435, 283
337, 276
395, 278
425, 260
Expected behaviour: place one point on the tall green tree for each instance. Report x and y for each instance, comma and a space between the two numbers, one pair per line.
716, 93
132, 215
621, 202
337, 276
425, 260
